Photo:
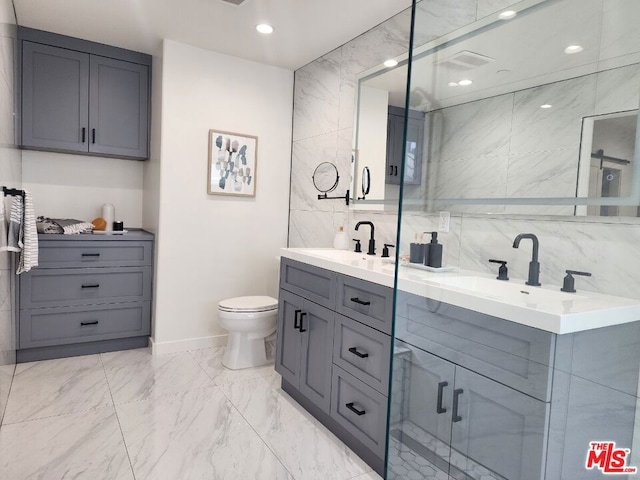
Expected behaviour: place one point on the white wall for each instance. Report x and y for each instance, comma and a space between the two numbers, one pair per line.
76, 186
212, 247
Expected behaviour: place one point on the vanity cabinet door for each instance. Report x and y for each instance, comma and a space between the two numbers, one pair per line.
118, 117
288, 342
55, 94
413, 147
317, 326
496, 427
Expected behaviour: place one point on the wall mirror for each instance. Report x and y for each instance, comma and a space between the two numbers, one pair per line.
508, 114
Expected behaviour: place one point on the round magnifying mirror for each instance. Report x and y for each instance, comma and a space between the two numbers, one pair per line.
325, 177
366, 181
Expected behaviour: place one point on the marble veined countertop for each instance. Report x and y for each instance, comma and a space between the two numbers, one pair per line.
546, 307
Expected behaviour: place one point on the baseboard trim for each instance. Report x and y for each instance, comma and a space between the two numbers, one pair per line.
176, 346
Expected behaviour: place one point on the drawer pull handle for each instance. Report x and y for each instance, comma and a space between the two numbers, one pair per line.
355, 351
360, 302
90, 254
302, 315
456, 396
354, 409
84, 324
96, 285
439, 408
296, 323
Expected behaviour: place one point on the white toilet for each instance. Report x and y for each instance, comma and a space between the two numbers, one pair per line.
249, 321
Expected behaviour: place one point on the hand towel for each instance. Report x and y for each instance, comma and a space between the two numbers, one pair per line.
15, 225
29, 237
3, 228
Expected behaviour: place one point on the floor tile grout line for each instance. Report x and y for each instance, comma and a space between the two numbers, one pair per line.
115, 409
259, 436
4, 410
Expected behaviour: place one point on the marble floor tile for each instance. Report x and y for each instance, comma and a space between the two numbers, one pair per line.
305, 447
135, 375
56, 387
210, 359
197, 434
85, 446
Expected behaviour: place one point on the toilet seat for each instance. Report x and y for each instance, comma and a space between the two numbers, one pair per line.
254, 304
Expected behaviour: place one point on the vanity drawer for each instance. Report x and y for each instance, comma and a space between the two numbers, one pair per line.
363, 352
81, 286
367, 302
94, 253
515, 355
58, 326
310, 282
360, 410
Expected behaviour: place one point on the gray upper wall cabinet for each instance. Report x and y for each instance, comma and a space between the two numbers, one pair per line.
82, 97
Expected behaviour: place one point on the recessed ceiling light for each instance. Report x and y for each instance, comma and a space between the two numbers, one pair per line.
453, 84
573, 49
507, 15
546, 105
464, 83
390, 63
264, 28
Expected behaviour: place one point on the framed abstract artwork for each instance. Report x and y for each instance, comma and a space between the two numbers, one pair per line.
233, 159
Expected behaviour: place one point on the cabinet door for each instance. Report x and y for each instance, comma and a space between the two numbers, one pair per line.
395, 133
317, 325
421, 432
498, 428
118, 116
288, 337
55, 96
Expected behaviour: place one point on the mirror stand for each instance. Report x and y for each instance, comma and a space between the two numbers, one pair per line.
345, 197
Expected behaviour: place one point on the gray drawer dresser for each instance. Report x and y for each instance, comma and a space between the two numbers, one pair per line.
333, 352
89, 294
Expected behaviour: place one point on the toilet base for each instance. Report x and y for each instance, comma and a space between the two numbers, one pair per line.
245, 350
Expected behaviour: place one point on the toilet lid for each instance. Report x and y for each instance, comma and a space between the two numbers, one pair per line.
248, 304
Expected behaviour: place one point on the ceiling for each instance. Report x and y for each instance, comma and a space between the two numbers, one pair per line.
304, 29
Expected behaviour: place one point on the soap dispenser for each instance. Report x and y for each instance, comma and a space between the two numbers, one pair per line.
435, 251
341, 240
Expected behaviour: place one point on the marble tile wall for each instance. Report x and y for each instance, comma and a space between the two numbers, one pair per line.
10, 175
323, 120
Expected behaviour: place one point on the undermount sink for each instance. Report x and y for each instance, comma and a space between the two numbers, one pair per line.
506, 291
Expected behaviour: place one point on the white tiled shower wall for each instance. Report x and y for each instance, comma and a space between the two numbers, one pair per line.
10, 175
323, 130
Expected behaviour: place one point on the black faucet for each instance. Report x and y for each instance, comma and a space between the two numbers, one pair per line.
372, 242
534, 265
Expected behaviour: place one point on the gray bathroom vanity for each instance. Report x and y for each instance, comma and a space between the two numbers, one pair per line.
473, 394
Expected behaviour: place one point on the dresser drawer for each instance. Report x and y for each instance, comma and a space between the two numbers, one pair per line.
515, 355
94, 253
84, 286
363, 352
367, 302
57, 326
310, 282
360, 410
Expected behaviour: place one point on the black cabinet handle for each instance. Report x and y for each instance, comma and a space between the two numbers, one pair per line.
456, 396
395, 171
302, 315
90, 254
84, 324
84, 134
95, 285
390, 170
439, 407
355, 351
296, 325
93, 135
360, 302
354, 409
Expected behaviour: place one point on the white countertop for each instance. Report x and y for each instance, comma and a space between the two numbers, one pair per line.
545, 308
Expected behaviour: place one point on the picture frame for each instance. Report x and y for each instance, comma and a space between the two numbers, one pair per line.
232, 164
